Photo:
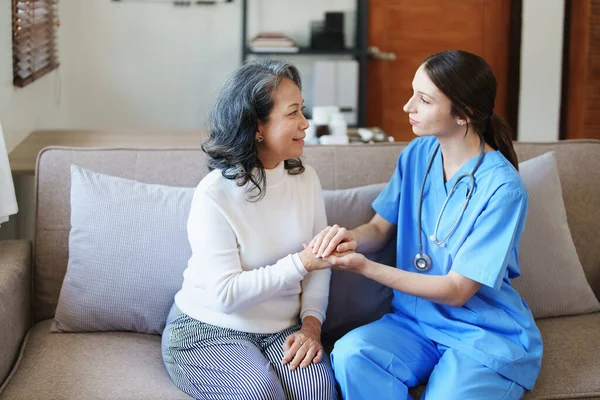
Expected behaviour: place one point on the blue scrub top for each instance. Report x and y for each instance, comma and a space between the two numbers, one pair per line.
495, 326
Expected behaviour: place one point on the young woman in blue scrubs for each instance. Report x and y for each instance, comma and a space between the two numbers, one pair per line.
458, 206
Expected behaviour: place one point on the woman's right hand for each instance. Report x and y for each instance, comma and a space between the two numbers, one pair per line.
332, 239
310, 261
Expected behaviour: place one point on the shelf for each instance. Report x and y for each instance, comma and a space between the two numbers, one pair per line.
359, 52
309, 51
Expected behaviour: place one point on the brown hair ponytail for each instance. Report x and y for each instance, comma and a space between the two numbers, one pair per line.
469, 82
499, 135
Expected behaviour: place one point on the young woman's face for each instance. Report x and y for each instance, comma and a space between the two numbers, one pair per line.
429, 109
283, 135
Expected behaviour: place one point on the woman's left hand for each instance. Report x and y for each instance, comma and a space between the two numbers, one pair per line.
351, 261
304, 346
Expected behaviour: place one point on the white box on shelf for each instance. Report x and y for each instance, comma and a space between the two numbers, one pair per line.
347, 89
324, 83
335, 83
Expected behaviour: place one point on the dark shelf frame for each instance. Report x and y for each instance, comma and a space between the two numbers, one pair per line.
359, 53
307, 51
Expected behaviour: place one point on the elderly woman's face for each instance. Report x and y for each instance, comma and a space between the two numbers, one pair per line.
283, 135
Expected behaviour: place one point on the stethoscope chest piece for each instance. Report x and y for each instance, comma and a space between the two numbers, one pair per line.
422, 262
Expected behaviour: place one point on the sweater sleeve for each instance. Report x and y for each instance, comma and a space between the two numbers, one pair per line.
216, 259
315, 286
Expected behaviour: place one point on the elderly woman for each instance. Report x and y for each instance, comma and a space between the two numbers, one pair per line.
252, 302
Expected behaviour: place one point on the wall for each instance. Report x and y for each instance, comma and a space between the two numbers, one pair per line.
21, 112
135, 65
130, 65
20, 109
541, 70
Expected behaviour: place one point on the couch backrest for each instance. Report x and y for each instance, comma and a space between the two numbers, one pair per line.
338, 167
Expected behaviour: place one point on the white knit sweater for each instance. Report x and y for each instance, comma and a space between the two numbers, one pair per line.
244, 272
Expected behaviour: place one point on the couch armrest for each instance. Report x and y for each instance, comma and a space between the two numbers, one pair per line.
15, 300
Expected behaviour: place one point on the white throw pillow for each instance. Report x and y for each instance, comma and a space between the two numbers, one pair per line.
128, 248
552, 280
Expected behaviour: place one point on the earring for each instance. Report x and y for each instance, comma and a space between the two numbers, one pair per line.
461, 122
260, 139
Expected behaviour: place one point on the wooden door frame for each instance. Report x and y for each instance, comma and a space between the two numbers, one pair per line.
566, 61
514, 65
576, 41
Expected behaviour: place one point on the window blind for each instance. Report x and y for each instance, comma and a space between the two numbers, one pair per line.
34, 39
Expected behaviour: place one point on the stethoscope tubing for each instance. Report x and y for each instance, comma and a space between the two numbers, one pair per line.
471, 175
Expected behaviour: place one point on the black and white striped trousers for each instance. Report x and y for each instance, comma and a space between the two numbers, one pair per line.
210, 362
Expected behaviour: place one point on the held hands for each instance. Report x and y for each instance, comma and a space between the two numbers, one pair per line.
349, 261
304, 346
334, 247
333, 238
311, 262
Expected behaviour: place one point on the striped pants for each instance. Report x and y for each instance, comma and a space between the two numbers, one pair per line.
210, 362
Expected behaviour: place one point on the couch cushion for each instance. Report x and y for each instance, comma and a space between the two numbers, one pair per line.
570, 363
579, 171
338, 167
353, 299
74, 366
128, 248
552, 280
185, 167
15, 295
117, 365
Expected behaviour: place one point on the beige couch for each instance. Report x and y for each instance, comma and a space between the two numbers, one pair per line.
35, 363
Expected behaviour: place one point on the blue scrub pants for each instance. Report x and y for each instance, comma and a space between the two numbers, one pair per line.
383, 359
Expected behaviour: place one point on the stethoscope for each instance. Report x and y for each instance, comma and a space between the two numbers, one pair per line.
422, 261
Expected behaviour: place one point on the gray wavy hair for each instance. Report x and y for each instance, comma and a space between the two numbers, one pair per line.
245, 100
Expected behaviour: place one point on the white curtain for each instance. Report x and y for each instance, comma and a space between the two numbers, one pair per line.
8, 201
